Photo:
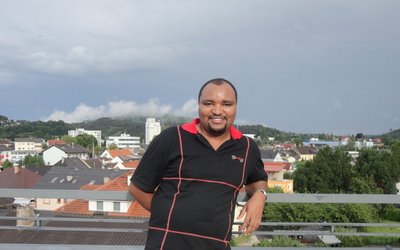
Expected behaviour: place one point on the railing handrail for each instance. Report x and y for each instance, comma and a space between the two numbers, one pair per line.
272, 197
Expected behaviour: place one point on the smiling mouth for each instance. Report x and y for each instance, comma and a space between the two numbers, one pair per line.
217, 119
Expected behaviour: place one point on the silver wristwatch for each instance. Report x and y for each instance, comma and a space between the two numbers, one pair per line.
263, 192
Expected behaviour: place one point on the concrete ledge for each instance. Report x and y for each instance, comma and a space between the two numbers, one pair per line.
114, 247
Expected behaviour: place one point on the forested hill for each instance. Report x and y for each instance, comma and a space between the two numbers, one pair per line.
135, 126
391, 136
109, 126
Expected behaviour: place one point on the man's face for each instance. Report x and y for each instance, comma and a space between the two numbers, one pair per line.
217, 109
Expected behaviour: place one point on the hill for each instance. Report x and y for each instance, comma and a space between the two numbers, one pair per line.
110, 126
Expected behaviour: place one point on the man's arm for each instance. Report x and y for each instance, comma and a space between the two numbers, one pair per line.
254, 207
142, 197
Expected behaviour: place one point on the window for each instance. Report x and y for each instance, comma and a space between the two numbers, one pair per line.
116, 206
99, 205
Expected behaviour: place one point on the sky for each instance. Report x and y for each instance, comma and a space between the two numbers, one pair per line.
305, 66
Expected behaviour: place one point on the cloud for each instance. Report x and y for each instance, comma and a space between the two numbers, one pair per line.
189, 108
122, 108
80, 60
6, 77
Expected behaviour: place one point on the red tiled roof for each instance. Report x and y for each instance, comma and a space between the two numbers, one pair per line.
118, 184
131, 164
118, 152
24, 178
55, 142
274, 166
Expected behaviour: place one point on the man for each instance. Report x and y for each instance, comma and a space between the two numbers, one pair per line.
190, 176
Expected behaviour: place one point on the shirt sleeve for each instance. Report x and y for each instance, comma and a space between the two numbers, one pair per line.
151, 168
257, 172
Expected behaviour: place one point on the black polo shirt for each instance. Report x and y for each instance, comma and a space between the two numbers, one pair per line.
195, 187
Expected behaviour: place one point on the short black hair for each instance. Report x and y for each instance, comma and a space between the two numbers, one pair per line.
217, 81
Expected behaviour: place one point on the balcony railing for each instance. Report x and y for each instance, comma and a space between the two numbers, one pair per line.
40, 223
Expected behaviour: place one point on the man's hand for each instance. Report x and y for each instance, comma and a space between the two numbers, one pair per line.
252, 211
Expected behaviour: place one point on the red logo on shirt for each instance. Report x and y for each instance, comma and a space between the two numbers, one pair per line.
240, 159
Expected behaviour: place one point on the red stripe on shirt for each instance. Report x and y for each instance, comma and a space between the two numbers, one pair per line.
177, 191
235, 194
203, 180
189, 234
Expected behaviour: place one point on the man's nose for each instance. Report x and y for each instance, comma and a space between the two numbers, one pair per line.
217, 110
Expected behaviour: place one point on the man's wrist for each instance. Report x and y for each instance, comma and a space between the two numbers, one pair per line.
263, 192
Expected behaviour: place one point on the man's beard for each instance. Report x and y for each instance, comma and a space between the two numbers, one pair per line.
216, 132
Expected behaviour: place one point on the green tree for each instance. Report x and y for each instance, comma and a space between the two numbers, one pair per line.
329, 172
112, 146
87, 141
381, 166
68, 139
7, 164
31, 160
364, 186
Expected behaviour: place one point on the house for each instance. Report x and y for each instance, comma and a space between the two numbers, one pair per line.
111, 208
284, 146
123, 141
289, 156
55, 142
19, 177
269, 154
15, 156
79, 162
306, 153
81, 131
71, 178
30, 144
116, 155
275, 171
56, 153
127, 165
7, 143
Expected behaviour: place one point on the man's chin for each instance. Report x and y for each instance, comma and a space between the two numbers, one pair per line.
217, 131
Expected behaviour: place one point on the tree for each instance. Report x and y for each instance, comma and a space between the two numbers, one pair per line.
329, 172
112, 146
31, 160
359, 136
87, 141
381, 166
7, 164
68, 139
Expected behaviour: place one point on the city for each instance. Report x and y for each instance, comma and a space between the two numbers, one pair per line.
44, 165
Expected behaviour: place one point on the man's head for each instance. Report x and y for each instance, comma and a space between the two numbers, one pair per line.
217, 107
217, 81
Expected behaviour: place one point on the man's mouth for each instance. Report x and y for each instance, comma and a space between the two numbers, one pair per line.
217, 119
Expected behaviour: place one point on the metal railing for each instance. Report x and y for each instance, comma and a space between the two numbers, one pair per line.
40, 222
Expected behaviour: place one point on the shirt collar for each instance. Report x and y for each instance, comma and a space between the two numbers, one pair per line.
191, 128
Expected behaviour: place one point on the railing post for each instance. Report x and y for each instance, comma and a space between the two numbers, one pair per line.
37, 220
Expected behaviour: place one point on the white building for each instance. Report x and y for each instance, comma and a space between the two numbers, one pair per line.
56, 153
81, 131
123, 141
15, 156
153, 128
30, 144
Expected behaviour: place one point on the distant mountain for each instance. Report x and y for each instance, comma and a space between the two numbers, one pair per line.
391, 136
135, 126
